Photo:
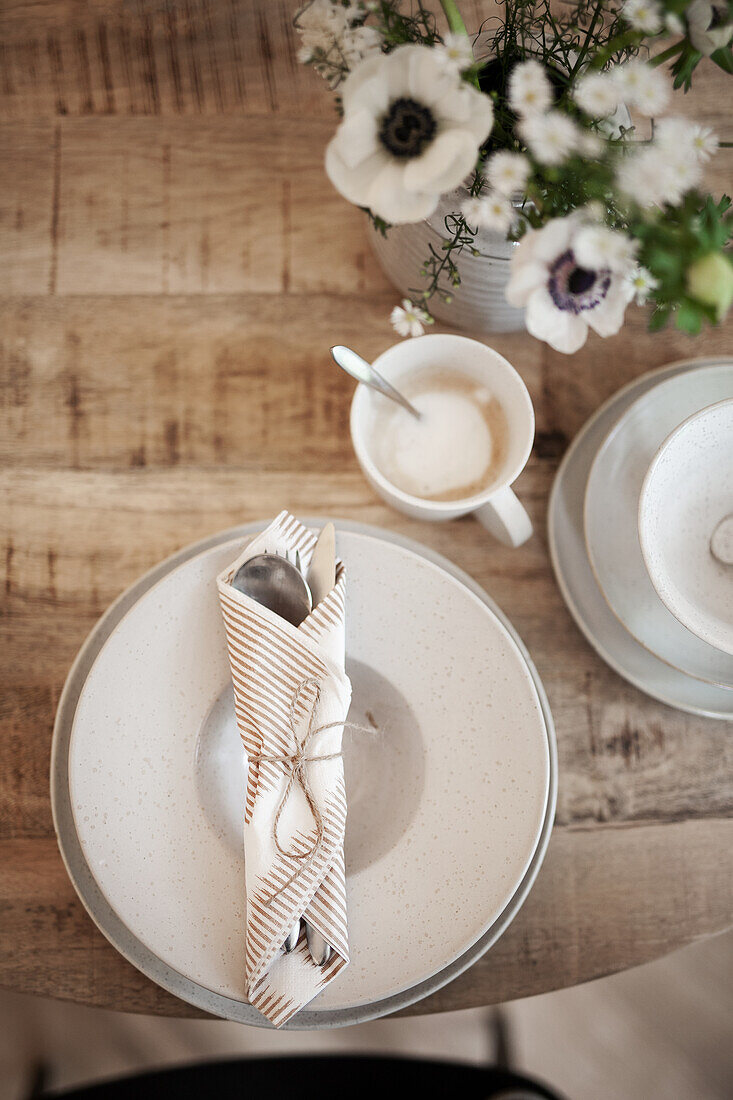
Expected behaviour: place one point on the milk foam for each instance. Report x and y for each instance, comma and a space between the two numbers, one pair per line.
455, 450
449, 448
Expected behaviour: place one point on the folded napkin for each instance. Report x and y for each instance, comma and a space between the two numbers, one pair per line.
291, 696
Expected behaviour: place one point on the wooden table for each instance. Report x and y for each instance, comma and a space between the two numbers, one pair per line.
175, 266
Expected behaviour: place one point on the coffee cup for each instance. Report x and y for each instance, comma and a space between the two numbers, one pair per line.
493, 503
685, 515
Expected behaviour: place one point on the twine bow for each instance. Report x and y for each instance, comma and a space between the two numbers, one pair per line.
295, 765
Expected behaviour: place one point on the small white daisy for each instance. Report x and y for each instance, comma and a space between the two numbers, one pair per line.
320, 24
641, 283
596, 94
456, 50
590, 144
551, 137
640, 175
705, 142
471, 209
408, 319
643, 15
597, 246
656, 174
508, 172
358, 43
642, 87
353, 9
529, 89
673, 133
490, 211
683, 172
678, 136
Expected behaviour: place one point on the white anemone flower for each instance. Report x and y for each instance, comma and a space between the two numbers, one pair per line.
563, 298
552, 137
641, 283
508, 172
456, 50
408, 319
643, 15
643, 87
709, 26
411, 130
597, 94
490, 211
530, 91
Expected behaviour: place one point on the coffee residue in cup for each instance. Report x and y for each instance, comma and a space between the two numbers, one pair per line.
458, 447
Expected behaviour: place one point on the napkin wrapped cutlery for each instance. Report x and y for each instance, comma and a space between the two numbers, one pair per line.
291, 697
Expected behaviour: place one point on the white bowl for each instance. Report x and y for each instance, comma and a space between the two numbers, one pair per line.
686, 493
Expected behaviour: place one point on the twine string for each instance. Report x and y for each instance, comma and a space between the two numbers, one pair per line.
295, 766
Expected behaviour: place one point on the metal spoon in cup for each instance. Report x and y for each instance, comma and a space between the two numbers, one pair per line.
364, 372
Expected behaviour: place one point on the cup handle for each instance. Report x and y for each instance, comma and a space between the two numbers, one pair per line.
505, 518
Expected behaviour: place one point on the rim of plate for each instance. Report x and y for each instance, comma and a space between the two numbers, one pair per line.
669, 370
124, 940
646, 549
607, 439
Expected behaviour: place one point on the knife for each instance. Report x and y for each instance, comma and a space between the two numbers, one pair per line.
322, 572
321, 579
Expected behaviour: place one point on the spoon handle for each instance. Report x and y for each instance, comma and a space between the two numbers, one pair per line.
358, 367
390, 391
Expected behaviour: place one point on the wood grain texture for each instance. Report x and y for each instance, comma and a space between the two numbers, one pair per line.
176, 266
560, 937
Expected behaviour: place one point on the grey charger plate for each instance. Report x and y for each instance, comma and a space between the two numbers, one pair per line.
117, 932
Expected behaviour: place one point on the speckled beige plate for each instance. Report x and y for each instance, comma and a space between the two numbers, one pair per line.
448, 799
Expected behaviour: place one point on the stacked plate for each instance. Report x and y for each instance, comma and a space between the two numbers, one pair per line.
451, 801
595, 548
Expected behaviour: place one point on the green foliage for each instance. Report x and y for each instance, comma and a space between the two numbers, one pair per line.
566, 39
671, 241
723, 58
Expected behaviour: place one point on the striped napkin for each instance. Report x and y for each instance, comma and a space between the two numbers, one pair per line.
288, 683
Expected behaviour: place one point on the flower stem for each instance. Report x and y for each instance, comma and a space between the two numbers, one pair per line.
454, 17
665, 55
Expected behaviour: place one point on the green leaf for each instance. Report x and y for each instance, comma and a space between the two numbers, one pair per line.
684, 67
689, 318
723, 58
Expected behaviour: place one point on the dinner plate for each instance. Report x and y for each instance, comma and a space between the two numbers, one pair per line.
577, 582
156, 776
611, 510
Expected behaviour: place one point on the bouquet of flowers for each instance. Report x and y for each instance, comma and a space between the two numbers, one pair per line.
556, 125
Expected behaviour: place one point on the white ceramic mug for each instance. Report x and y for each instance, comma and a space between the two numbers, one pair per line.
496, 506
686, 497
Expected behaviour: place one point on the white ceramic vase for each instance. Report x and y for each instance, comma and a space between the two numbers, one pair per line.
478, 304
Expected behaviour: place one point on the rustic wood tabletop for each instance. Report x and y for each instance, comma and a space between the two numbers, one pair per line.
175, 266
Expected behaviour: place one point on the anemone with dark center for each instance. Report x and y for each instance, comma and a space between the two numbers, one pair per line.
407, 128
574, 288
